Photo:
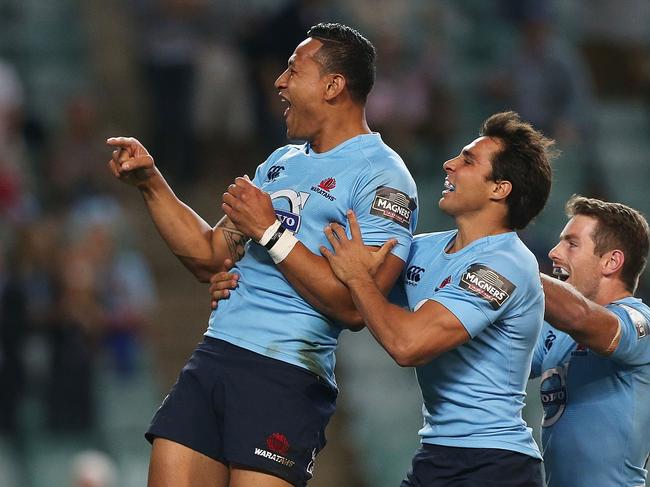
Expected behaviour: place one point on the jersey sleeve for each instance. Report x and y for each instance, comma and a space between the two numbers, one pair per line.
634, 345
397, 294
481, 294
258, 179
385, 202
539, 351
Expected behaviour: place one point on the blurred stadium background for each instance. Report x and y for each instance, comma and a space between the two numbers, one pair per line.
97, 317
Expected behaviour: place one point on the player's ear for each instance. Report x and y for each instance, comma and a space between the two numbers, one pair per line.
612, 261
501, 190
335, 85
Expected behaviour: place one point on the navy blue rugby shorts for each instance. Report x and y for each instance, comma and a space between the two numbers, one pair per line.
442, 466
247, 410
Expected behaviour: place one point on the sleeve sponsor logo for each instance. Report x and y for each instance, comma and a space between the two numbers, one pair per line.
487, 284
638, 320
641, 329
393, 205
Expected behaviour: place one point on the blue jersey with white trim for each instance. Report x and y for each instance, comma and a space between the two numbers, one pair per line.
474, 394
309, 190
596, 424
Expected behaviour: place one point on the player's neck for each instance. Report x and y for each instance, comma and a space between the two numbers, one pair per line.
611, 290
471, 229
339, 127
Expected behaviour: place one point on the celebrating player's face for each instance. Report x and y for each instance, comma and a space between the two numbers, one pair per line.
301, 87
467, 187
574, 257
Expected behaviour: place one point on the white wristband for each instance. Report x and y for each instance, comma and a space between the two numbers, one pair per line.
269, 232
283, 246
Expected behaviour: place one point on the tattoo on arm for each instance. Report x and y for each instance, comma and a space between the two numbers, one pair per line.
236, 241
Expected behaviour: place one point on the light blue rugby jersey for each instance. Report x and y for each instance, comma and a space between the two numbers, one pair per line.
474, 394
309, 190
596, 425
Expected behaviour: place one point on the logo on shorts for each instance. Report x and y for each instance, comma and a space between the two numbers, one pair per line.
393, 205
413, 275
324, 188
278, 445
487, 284
310, 467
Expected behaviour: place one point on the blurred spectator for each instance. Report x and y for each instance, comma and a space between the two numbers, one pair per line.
544, 80
170, 31
13, 329
11, 105
16, 173
74, 169
118, 274
103, 296
223, 108
286, 27
72, 335
615, 38
412, 103
26, 290
92, 468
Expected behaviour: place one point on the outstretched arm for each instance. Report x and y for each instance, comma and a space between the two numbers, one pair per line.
200, 247
588, 323
411, 338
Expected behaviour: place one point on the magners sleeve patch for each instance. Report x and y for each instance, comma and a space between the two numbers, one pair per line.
487, 284
639, 321
393, 205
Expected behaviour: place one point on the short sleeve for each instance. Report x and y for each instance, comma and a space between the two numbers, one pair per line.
481, 294
539, 351
267, 170
634, 345
258, 179
397, 294
385, 203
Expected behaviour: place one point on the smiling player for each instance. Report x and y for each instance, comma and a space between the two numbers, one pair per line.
251, 406
594, 361
475, 309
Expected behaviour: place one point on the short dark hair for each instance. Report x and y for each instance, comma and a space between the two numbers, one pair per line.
524, 160
345, 51
618, 227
